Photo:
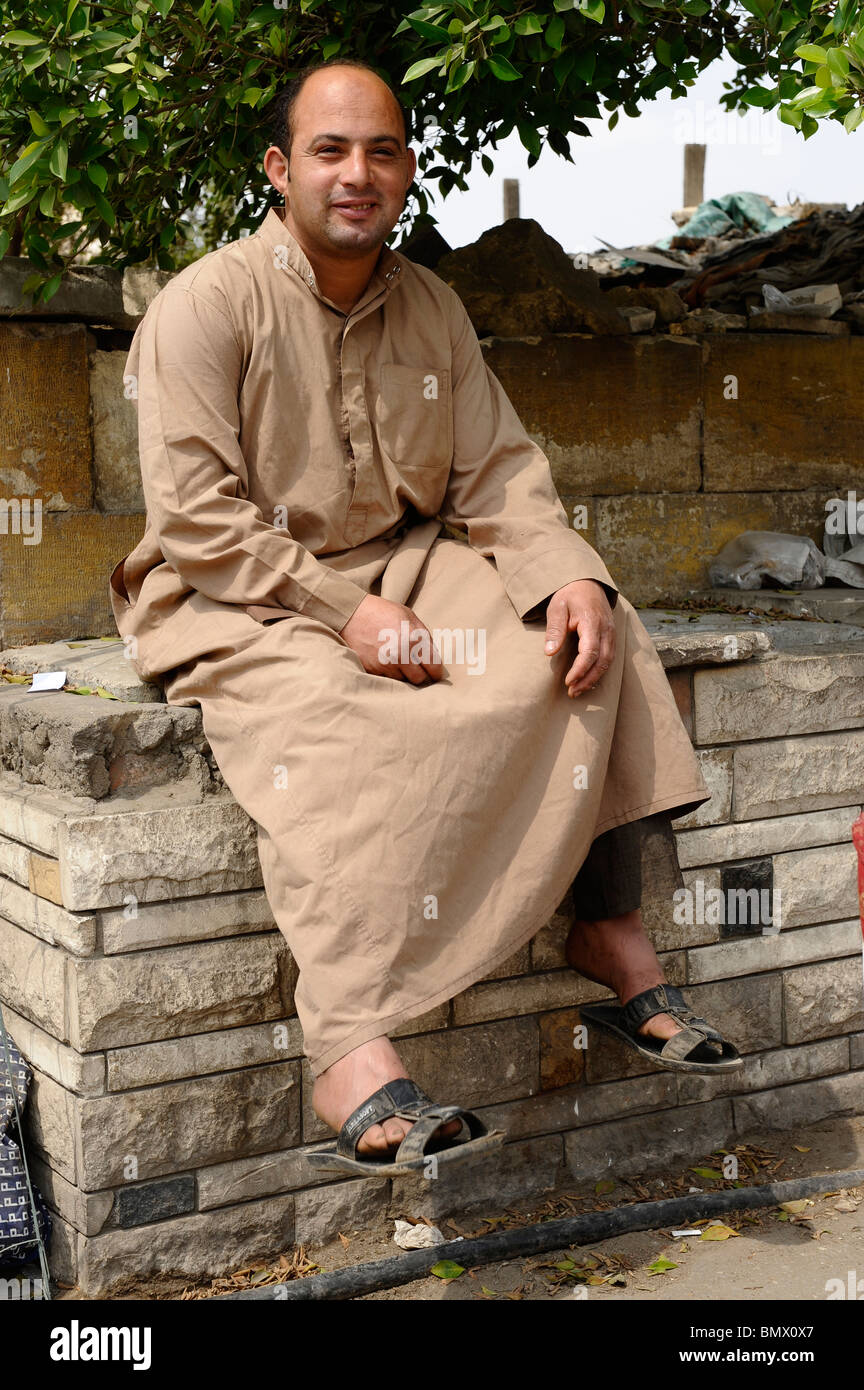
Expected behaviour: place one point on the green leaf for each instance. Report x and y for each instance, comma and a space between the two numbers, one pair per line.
853, 118
594, 9
554, 32
812, 52
19, 38
429, 31
759, 96
420, 69
661, 1265
712, 1173
38, 124
530, 138
528, 24
59, 159
118, 67
663, 51
503, 69
838, 63
19, 199
98, 174
26, 161
447, 1269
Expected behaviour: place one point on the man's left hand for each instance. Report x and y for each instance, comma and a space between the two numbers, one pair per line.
582, 607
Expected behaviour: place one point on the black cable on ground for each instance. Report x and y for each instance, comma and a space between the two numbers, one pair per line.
587, 1229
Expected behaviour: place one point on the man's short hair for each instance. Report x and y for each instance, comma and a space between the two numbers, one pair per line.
281, 111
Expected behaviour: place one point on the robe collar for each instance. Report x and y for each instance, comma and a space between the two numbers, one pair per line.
386, 274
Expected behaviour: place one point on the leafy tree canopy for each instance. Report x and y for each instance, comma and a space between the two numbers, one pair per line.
140, 124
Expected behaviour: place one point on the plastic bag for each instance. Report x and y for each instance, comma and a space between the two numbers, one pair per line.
754, 556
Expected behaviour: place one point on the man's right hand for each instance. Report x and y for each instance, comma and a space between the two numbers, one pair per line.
390, 640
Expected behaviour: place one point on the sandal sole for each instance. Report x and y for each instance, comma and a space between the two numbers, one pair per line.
606, 1025
329, 1161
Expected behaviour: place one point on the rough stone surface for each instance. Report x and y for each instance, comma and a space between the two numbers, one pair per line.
92, 661
141, 284
598, 438
32, 815
345, 1206
775, 835
682, 648
175, 852
856, 1051
716, 765
793, 421
189, 919
115, 436
528, 1168
746, 1011
578, 1105
33, 979
773, 952
804, 1104
787, 775
51, 1125
87, 1212
817, 885
241, 1179
45, 445
91, 293
178, 1127
14, 861
75, 931
203, 1053
644, 1143
153, 1201
788, 693
85, 1075
115, 1001
768, 1069
207, 1243
822, 1000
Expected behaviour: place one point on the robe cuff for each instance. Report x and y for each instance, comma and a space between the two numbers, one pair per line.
335, 600
540, 578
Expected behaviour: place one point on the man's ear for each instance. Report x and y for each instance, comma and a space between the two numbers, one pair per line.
412, 165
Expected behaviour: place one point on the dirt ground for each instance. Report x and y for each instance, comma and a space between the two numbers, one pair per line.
766, 1254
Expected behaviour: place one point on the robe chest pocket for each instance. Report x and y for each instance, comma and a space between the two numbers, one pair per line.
415, 416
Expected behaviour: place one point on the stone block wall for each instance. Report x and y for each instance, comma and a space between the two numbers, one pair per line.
143, 977
673, 445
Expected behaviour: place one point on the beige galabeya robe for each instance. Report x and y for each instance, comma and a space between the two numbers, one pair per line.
295, 458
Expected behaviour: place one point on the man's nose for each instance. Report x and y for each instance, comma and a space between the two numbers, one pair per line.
356, 169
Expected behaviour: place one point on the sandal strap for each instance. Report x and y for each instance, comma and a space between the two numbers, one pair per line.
665, 999
401, 1098
681, 1044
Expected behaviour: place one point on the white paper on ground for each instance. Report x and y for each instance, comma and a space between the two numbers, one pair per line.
48, 680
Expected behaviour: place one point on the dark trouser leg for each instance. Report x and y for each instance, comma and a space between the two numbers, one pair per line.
627, 867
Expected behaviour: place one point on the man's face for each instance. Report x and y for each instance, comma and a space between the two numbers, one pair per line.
349, 168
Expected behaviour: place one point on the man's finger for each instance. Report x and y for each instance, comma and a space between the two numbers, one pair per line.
556, 625
588, 632
590, 676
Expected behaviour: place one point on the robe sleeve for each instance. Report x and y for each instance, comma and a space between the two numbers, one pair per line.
189, 365
501, 490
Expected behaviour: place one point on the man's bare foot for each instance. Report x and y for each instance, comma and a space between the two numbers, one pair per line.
354, 1078
617, 953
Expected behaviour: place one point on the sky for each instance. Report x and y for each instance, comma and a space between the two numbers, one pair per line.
624, 183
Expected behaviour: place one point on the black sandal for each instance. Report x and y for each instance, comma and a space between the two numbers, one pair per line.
698, 1047
403, 1099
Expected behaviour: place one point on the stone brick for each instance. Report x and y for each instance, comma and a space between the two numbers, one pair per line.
85, 1075
574, 1106
747, 1010
51, 1125
659, 546
439, 1017
460, 1066
775, 951
33, 979
561, 1063
517, 964
767, 1069
213, 916
528, 1168
599, 438
774, 835
43, 877
63, 1252
856, 1051
645, 1143
202, 1054
240, 1179
74, 931
531, 994
92, 293
346, 1207
94, 661
59, 589
32, 815
786, 775
793, 423
667, 924
14, 860
172, 852
86, 1211
115, 1001
822, 1000
45, 441
154, 1201
784, 693
817, 885
547, 947
207, 1243
716, 768
187, 1124
804, 1104
115, 436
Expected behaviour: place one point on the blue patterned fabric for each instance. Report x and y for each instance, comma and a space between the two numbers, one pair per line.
16, 1216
